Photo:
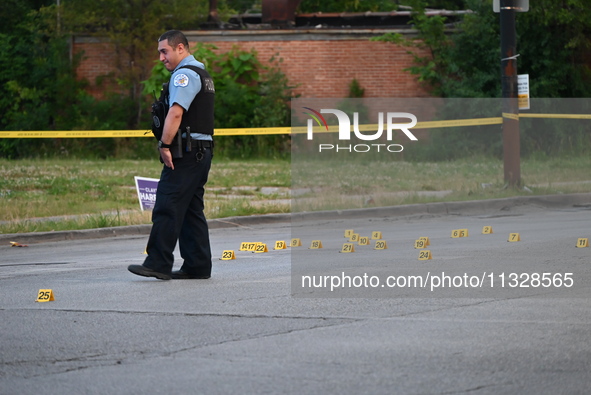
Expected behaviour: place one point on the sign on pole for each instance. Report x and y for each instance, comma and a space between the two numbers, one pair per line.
520, 5
146, 191
523, 91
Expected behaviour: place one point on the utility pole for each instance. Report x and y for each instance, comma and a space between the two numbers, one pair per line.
58, 17
510, 107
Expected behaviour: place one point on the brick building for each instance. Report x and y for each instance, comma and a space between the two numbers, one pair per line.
320, 62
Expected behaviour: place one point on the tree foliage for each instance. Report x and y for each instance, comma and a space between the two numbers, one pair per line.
132, 27
39, 89
553, 40
462, 60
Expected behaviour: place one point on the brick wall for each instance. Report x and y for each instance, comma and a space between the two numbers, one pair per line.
320, 64
99, 60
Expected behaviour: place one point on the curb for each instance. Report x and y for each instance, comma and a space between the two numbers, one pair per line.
439, 208
133, 230
470, 207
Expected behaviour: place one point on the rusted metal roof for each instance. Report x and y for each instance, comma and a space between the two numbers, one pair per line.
368, 19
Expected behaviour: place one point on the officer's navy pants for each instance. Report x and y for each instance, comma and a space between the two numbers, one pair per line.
178, 215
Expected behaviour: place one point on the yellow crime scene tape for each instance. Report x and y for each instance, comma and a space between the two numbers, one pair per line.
278, 130
564, 116
51, 134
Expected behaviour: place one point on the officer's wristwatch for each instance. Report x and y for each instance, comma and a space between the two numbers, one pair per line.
162, 145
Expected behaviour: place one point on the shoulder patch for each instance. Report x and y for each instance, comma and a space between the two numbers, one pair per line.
181, 80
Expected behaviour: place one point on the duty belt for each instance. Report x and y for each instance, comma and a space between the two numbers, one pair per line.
199, 143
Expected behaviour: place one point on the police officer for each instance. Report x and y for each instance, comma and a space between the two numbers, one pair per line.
178, 211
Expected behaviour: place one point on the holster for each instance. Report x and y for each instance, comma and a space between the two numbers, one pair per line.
177, 147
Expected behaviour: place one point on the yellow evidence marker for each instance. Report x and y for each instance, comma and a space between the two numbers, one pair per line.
348, 233
363, 241
426, 240
260, 247
348, 247
280, 245
315, 244
420, 244
354, 238
295, 243
376, 235
380, 245
45, 295
514, 237
248, 246
228, 255
582, 243
487, 230
457, 233
425, 255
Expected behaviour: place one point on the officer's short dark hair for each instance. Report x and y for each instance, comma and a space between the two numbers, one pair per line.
174, 38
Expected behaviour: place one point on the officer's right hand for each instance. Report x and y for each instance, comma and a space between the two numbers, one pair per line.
166, 157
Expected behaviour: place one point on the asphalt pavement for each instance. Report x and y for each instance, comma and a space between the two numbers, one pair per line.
514, 317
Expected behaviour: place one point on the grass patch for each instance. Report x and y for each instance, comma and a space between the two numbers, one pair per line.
60, 194
353, 184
